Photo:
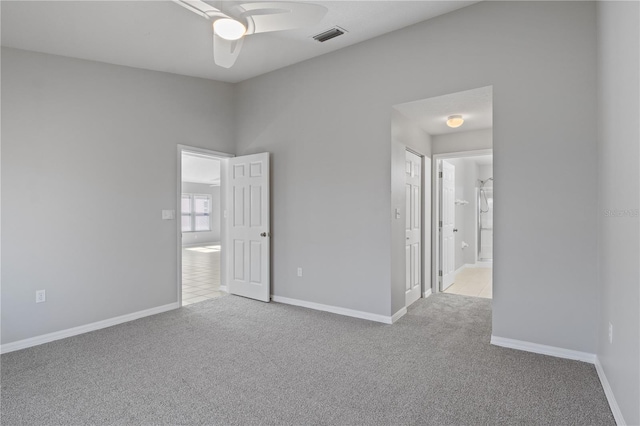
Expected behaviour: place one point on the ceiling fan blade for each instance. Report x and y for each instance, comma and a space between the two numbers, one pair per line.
201, 8
225, 52
267, 16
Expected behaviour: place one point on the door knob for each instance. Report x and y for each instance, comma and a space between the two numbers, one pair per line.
265, 234
455, 230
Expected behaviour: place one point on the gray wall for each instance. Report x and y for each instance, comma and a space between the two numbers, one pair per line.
196, 238
618, 190
67, 125
327, 122
408, 132
462, 141
75, 134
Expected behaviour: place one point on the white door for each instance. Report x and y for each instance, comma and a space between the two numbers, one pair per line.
248, 226
413, 228
447, 217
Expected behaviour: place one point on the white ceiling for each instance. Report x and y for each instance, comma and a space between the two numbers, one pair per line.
162, 36
475, 106
200, 169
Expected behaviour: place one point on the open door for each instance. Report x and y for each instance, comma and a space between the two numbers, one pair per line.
249, 226
447, 218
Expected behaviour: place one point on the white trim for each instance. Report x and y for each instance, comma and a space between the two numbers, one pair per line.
426, 293
482, 264
395, 317
543, 349
57, 335
461, 154
464, 266
567, 354
202, 244
340, 311
203, 152
613, 404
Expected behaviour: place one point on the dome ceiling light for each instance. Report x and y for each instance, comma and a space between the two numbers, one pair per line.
455, 121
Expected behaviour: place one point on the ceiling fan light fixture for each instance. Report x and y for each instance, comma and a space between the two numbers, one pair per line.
229, 29
454, 121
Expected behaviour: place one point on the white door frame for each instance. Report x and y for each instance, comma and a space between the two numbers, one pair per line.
209, 153
435, 213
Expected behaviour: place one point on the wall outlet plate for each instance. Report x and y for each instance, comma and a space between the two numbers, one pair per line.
41, 296
299, 272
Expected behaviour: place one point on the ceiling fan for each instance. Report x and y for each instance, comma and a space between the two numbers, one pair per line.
240, 20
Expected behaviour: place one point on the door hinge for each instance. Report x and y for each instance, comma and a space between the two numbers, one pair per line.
440, 273
440, 224
439, 174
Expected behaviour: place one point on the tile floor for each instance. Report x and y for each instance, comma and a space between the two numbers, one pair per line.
200, 274
473, 282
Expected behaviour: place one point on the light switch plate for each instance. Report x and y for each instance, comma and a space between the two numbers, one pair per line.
168, 214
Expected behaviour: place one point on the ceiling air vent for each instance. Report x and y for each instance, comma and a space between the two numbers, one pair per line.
329, 34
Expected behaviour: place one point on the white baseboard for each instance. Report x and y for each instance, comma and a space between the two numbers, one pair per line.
567, 354
543, 349
340, 311
426, 293
615, 409
57, 335
395, 317
201, 244
466, 265
479, 264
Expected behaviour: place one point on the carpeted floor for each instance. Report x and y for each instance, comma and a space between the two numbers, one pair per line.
236, 361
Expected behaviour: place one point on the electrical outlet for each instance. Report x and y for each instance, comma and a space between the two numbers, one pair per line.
610, 333
41, 296
168, 214
299, 272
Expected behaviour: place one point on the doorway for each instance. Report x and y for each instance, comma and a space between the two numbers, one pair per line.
201, 229
465, 223
222, 197
446, 128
